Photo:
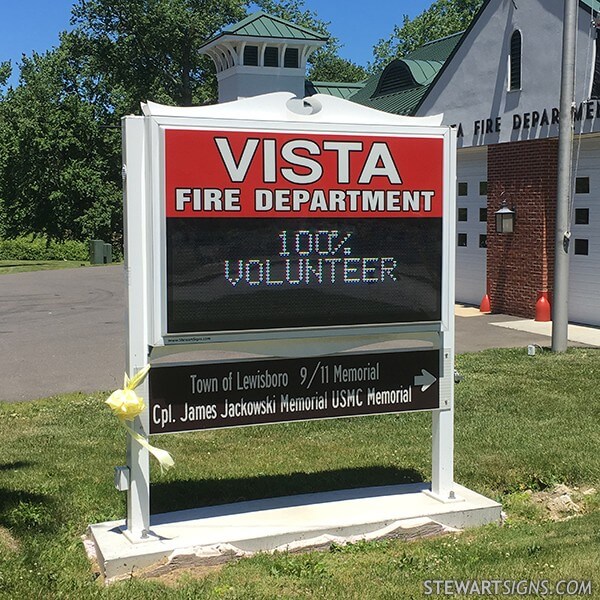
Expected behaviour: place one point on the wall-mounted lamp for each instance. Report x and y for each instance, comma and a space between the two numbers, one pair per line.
505, 219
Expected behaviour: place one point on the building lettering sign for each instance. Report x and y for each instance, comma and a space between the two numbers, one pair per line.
212, 396
275, 229
526, 121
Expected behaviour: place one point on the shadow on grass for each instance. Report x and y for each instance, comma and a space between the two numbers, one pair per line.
21, 510
181, 495
13, 466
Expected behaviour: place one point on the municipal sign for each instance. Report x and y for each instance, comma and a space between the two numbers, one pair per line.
303, 250
230, 394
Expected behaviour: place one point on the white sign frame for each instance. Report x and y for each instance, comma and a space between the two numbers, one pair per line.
143, 152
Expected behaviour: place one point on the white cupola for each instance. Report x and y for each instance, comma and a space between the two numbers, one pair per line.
260, 55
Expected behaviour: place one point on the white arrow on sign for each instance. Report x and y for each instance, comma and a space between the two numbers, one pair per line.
425, 379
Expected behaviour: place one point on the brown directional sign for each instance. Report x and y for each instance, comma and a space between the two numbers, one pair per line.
211, 396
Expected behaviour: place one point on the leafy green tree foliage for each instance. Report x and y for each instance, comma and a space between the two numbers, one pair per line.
328, 67
295, 12
5, 73
57, 167
148, 49
442, 18
59, 128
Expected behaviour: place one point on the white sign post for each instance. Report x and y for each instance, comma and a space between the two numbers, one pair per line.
137, 230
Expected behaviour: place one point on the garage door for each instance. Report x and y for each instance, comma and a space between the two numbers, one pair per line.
471, 226
584, 271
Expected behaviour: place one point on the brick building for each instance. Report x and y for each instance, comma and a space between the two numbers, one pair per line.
499, 84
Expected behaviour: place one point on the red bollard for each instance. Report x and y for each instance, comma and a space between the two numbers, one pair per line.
485, 307
542, 307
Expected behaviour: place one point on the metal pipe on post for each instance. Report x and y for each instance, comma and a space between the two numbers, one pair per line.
560, 310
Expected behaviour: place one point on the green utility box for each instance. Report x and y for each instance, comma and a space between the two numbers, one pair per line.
100, 253
107, 254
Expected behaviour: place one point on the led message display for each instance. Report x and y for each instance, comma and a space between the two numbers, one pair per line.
280, 230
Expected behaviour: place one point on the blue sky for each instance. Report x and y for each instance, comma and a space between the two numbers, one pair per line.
28, 25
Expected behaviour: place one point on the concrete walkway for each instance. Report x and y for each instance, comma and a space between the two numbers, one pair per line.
478, 331
577, 334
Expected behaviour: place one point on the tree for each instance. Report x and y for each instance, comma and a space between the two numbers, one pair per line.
442, 18
59, 140
141, 49
149, 49
58, 173
328, 67
5, 73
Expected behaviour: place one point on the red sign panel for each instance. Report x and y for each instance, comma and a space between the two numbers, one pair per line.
270, 230
309, 175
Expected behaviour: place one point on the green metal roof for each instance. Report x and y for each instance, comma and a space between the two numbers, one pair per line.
399, 103
438, 50
339, 90
402, 84
423, 71
260, 24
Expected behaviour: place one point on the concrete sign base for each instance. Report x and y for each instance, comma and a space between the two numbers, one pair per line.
215, 534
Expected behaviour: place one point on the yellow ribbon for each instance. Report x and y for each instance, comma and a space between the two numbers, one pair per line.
126, 405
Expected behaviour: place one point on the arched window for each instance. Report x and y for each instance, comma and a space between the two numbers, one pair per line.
596, 77
514, 64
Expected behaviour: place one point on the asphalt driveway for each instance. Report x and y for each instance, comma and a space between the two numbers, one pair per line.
61, 331
64, 331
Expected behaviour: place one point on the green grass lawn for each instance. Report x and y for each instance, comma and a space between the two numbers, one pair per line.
523, 424
22, 266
